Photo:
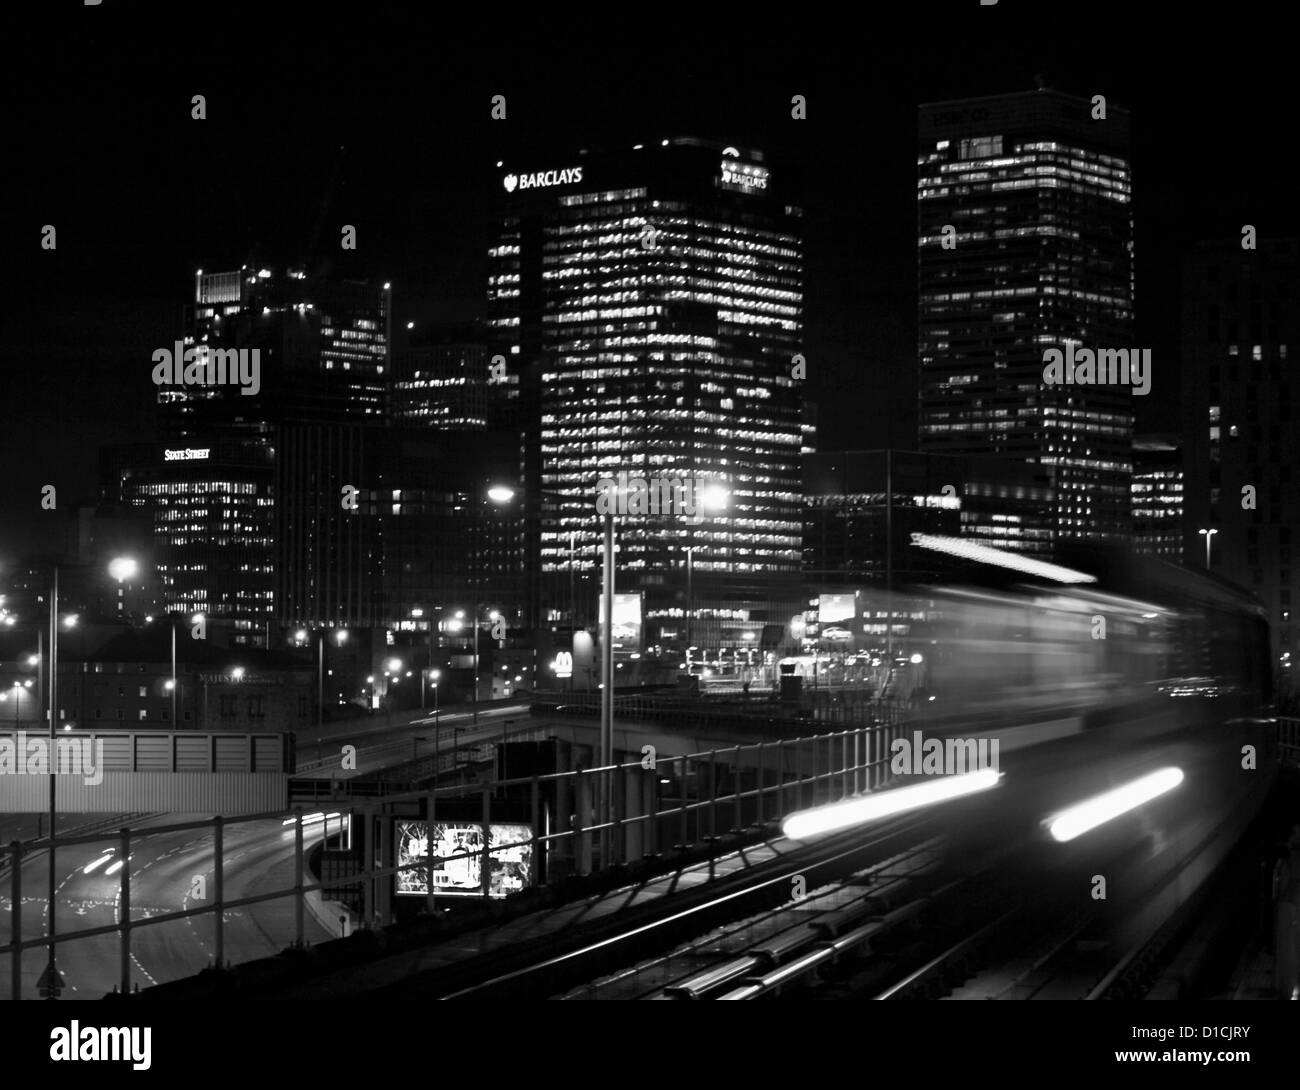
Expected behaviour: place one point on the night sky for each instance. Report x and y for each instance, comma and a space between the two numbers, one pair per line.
100, 143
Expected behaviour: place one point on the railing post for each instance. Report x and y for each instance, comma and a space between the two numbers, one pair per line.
580, 792
367, 870
16, 919
780, 778
218, 890
485, 875
428, 851
618, 804
681, 761
760, 778
650, 799
300, 897
534, 857
713, 792
124, 965
844, 764
736, 780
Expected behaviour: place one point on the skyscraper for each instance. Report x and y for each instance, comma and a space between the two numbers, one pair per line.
1240, 331
246, 492
1026, 244
1158, 497
652, 300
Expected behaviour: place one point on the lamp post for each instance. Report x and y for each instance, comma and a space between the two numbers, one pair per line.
1208, 535
690, 600
119, 568
340, 637
433, 675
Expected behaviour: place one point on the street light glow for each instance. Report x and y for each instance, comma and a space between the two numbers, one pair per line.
122, 568
500, 493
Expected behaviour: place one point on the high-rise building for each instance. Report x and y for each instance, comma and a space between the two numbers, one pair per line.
1240, 334
1026, 244
444, 386
651, 301
272, 405
1158, 497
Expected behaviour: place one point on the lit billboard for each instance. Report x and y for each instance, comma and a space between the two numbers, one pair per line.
836, 614
457, 874
627, 623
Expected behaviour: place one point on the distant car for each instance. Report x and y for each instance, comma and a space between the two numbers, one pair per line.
835, 634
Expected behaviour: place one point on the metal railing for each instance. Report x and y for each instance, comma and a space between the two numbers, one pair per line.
654, 801
1288, 739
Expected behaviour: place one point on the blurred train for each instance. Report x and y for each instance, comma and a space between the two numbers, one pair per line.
1095, 674
1131, 640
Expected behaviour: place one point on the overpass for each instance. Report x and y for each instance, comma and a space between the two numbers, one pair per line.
115, 771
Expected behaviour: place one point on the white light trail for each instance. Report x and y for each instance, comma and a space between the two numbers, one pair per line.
1105, 807
986, 554
842, 815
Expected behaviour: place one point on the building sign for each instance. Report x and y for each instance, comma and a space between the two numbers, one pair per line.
189, 454
743, 177
564, 664
542, 179
457, 873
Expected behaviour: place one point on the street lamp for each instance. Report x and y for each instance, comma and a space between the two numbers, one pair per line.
1208, 534
433, 676
123, 569
340, 638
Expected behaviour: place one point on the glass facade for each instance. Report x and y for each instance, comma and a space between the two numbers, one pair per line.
660, 303
1025, 244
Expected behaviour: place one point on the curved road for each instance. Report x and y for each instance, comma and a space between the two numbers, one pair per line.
164, 869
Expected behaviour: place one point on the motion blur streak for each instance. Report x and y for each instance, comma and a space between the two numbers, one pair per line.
95, 864
1078, 820
841, 815
986, 554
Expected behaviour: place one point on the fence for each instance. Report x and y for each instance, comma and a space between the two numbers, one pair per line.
612, 815
607, 815
1288, 740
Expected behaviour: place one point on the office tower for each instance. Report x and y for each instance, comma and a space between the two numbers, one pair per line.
1158, 497
284, 413
443, 385
1240, 335
1026, 244
651, 301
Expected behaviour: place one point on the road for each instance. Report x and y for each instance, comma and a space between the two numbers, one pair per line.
382, 745
168, 872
